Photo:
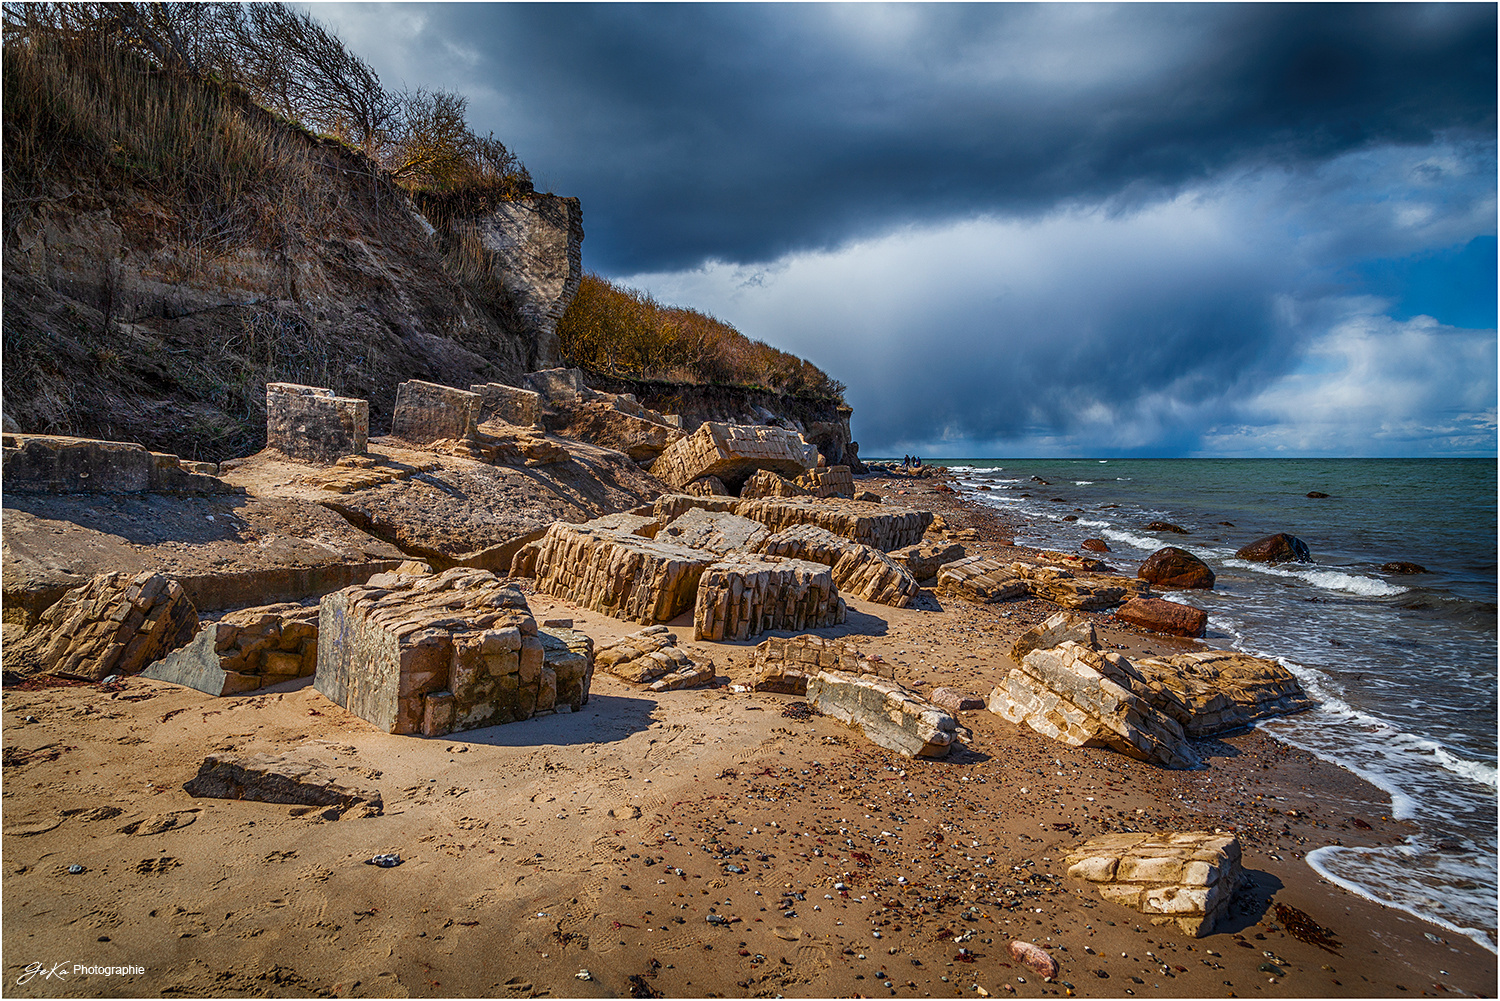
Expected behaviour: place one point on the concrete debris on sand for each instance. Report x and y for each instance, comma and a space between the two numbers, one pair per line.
744, 595
887, 713
247, 649
1186, 878
786, 664
117, 623
452, 651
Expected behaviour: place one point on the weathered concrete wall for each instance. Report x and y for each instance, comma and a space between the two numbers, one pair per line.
41, 463
245, 650
427, 412
309, 422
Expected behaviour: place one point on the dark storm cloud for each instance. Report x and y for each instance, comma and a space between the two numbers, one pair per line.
744, 132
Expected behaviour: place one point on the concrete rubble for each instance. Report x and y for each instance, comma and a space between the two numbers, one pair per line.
427, 412
744, 595
622, 575
924, 559
652, 657
716, 531
116, 623
884, 528
1224, 690
888, 714
980, 579
765, 483
786, 664
1185, 878
1080, 697
860, 570
284, 778
828, 481
246, 650
451, 651
733, 452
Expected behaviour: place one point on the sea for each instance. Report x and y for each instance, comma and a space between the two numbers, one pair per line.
1404, 666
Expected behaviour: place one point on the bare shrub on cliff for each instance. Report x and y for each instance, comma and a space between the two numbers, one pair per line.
622, 331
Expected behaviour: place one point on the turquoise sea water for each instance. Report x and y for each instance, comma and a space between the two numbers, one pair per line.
1404, 665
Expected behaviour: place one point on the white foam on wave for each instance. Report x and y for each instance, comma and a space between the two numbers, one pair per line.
1329, 580
1083, 483
1326, 860
1130, 538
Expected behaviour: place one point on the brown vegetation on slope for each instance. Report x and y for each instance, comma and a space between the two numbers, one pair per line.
621, 331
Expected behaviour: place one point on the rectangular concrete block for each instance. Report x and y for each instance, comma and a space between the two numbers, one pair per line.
427, 412
310, 423
499, 402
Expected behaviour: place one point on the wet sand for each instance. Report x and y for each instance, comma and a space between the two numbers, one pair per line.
684, 844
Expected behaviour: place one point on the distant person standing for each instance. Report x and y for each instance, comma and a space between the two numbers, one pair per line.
905, 461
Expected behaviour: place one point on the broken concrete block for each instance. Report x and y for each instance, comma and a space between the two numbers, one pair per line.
979, 579
732, 452
1055, 629
310, 423
888, 714
383, 651
1079, 696
267, 778
860, 570
885, 528
828, 481
567, 668
744, 595
924, 559
765, 483
426, 413
117, 623
499, 402
1223, 690
45, 463
246, 650
624, 576
707, 486
787, 664
716, 531
1185, 878
643, 656
669, 507
691, 675
622, 426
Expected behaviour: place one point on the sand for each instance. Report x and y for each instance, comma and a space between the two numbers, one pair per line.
684, 844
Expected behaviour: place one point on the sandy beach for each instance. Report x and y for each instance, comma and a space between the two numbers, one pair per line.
704, 843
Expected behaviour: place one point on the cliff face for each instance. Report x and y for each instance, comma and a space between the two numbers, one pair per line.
129, 317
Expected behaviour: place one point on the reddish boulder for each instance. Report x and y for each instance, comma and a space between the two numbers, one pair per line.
1034, 957
1166, 526
1095, 545
1278, 548
1163, 616
1176, 569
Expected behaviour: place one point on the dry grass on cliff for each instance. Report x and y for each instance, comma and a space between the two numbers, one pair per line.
83, 108
625, 332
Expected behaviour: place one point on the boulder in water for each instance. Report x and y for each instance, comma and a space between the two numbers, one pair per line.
1176, 569
1166, 526
1163, 616
1401, 566
1278, 548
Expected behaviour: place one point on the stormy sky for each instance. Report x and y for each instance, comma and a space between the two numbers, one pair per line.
1020, 229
